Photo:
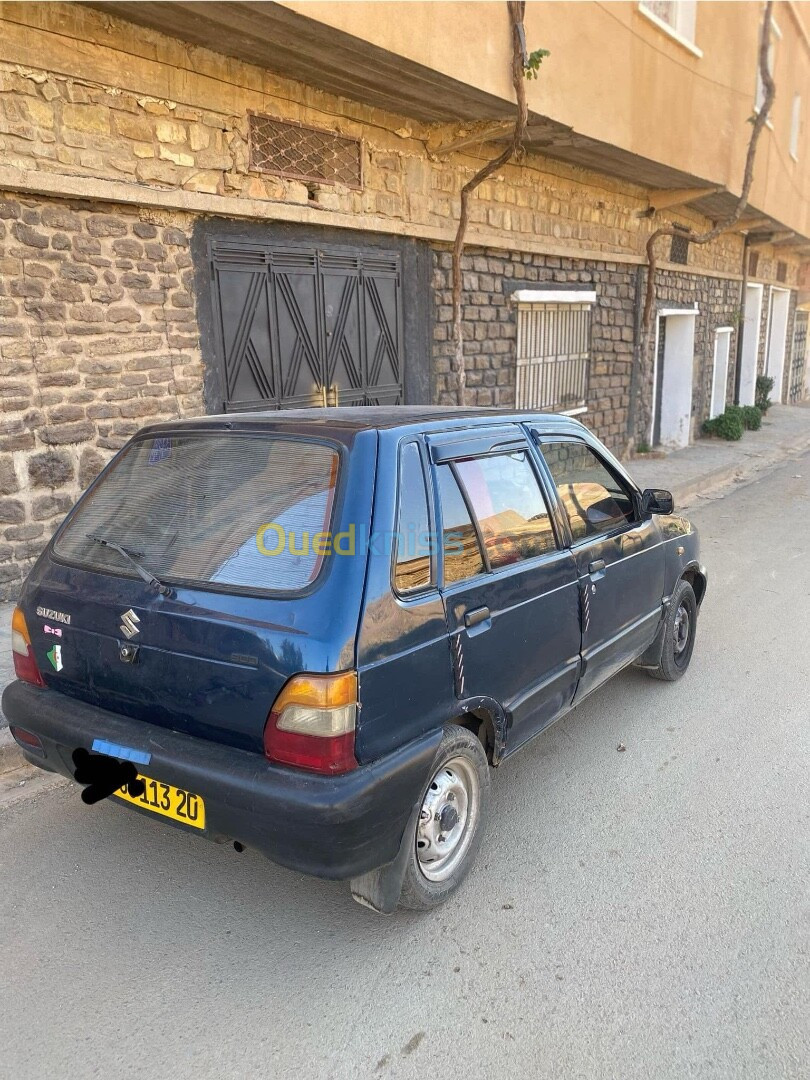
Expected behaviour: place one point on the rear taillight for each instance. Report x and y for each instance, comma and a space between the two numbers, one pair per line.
25, 665
312, 723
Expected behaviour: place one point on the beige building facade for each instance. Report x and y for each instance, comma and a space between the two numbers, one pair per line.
252, 206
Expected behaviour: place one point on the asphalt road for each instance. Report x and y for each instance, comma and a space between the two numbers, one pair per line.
635, 914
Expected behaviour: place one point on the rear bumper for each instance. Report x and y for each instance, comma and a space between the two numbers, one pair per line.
329, 826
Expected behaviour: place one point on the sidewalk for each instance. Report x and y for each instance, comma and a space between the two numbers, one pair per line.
711, 463
687, 473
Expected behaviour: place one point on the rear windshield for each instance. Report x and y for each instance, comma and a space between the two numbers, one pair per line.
221, 509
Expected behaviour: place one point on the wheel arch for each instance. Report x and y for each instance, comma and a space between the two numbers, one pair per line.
486, 719
698, 579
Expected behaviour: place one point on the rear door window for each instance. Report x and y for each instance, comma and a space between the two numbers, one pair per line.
509, 506
223, 509
412, 564
462, 552
594, 500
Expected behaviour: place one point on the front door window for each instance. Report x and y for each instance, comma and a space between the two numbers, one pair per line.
506, 500
594, 500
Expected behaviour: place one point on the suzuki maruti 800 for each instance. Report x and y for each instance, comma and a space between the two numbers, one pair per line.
314, 633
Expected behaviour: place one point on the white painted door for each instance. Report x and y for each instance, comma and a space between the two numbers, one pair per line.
676, 384
722, 346
750, 345
777, 339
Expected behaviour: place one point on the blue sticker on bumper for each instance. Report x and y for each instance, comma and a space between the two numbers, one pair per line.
126, 753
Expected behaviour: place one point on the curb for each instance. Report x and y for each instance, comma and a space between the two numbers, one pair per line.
740, 470
11, 756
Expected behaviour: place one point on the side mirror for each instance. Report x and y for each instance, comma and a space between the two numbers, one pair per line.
656, 501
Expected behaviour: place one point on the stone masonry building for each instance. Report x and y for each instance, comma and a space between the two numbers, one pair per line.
256, 208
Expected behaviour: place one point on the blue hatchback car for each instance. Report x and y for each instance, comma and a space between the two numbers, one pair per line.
314, 632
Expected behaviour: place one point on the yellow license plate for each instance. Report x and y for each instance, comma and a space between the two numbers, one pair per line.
168, 801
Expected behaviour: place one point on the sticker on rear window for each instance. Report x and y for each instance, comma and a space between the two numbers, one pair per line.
161, 449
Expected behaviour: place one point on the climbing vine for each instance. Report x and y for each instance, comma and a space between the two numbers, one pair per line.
524, 66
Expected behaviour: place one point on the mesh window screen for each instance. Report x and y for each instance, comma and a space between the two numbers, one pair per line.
303, 153
193, 508
679, 252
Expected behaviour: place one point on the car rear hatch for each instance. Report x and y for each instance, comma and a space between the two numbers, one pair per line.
230, 526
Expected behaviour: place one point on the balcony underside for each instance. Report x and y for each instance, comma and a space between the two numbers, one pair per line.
282, 41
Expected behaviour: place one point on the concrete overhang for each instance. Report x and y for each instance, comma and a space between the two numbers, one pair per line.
288, 43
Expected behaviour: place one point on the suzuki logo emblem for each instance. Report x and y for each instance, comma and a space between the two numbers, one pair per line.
129, 624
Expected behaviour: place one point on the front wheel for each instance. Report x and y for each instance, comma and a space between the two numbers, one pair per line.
448, 829
679, 635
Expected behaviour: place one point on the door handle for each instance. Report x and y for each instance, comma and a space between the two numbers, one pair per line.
596, 567
474, 618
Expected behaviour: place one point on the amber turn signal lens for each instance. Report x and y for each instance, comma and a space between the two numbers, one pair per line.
25, 666
320, 691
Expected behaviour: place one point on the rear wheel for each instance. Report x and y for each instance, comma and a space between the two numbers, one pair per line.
679, 636
448, 829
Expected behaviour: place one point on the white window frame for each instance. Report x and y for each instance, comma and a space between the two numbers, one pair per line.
544, 360
683, 29
795, 125
722, 358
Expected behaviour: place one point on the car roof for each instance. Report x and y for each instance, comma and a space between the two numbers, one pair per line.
374, 418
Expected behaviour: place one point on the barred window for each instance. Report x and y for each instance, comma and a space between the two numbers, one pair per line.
553, 353
286, 148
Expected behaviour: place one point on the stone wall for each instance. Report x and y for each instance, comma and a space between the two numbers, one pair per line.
98, 336
490, 329
718, 302
98, 323
87, 116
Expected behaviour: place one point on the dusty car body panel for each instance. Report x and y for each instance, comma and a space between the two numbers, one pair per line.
514, 647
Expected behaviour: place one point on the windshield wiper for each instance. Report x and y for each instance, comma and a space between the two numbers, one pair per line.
150, 579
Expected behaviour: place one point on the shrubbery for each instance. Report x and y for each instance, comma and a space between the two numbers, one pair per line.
764, 387
750, 416
729, 425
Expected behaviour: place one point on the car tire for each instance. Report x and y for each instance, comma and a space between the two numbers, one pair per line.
447, 832
679, 635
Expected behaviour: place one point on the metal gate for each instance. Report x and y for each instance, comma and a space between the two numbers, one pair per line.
307, 326
796, 389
